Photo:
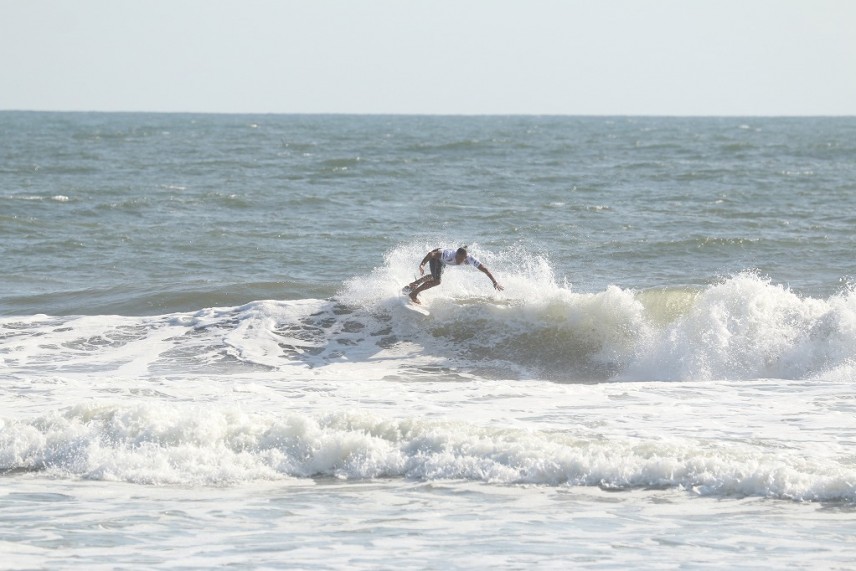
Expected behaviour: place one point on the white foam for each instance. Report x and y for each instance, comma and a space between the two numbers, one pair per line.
158, 443
746, 328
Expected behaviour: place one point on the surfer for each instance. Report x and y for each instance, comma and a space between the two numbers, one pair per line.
437, 260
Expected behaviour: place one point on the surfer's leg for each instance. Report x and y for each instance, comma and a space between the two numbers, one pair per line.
433, 278
430, 281
415, 284
428, 284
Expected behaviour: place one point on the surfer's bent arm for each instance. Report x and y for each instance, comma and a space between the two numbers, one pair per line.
432, 254
483, 269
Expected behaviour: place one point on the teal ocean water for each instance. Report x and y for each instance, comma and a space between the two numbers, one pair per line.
205, 359
133, 214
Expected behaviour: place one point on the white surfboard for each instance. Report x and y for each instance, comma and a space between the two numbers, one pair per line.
406, 302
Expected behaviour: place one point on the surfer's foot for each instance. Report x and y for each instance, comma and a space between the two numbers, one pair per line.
414, 299
406, 289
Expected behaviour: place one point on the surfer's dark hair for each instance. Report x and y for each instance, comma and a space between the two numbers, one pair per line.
462, 251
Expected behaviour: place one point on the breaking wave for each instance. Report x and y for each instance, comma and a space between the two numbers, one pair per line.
169, 444
743, 327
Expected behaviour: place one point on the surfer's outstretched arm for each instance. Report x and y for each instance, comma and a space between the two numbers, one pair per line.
496, 285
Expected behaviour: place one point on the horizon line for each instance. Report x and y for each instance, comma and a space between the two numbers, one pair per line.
430, 114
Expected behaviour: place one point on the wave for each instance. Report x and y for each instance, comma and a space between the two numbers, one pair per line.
184, 444
743, 327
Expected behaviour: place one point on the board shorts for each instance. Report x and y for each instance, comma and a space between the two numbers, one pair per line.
436, 268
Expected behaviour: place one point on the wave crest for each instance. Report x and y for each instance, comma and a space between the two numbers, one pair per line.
743, 327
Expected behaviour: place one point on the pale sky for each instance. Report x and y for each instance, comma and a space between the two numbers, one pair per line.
568, 57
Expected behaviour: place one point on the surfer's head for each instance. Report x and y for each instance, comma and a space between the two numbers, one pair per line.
460, 255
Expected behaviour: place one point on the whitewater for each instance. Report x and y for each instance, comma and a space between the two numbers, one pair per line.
205, 358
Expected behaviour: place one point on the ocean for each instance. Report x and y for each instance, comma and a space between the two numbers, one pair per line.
206, 360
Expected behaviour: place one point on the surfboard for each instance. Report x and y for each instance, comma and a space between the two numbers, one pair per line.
405, 301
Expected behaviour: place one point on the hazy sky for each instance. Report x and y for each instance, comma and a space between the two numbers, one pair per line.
575, 57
